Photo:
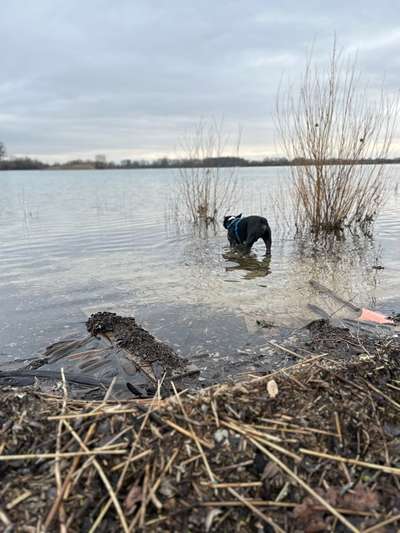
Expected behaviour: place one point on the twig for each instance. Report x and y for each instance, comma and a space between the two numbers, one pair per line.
109, 412
311, 491
189, 434
62, 455
294, 354
388, 398
151, 493
283, 505
305, 428
373, 466
245, 484
378, 527
304, 361
142, 509
339, 429
22, 497
292, 378
57, 470
256, 503
131, 460
4, 518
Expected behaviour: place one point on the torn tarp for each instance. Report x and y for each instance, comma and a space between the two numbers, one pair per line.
116, 350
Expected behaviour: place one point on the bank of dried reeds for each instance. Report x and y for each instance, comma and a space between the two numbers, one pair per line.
311, 448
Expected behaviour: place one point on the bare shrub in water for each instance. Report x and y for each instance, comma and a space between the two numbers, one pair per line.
205, 191
327, 127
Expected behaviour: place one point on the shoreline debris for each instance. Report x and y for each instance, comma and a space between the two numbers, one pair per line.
322, 454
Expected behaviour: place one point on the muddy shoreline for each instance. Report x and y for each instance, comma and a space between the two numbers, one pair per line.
116, 354
311, 447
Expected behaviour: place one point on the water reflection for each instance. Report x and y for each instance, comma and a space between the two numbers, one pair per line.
250, 264
336, 247
347, 264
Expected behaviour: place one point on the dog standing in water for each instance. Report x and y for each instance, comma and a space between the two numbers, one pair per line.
244, 232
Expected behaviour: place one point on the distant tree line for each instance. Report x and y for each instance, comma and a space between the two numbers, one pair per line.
100, 162
2, 151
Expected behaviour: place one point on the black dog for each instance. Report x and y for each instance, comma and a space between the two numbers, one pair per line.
244, 232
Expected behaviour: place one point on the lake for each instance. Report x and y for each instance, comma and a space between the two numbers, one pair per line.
76, 242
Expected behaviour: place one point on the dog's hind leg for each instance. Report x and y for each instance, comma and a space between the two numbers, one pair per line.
267, 241
248, 244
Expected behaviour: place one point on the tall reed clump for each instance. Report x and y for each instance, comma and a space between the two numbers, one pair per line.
205, 187
327, 126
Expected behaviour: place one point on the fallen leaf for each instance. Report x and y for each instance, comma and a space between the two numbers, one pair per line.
132, 498
362, 498
273, 475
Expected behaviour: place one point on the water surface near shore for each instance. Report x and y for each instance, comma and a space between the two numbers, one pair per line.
72, 243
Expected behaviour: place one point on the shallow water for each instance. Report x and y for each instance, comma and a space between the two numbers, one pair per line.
72, 243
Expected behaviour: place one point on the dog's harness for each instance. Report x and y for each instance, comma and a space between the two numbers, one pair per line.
234, 226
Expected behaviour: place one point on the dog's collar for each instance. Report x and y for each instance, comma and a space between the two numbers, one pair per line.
234, 226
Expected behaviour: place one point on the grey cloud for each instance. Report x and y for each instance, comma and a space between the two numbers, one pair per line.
129, 77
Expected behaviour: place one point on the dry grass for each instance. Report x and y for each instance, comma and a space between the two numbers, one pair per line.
329, 118
312, 448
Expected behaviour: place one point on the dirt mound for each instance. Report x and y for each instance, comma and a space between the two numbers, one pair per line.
127, 334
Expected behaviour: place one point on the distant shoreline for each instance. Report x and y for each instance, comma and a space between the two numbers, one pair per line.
177, 164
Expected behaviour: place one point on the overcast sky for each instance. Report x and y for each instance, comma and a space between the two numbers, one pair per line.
128, 78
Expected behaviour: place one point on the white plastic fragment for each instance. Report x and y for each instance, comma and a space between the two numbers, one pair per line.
272, 388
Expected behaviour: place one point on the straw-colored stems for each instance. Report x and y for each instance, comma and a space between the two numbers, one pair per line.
380, 527
383, 468
57, 469
284, 505
125, 466
61, 455
64, 489
247, 433
195, 438
148, 495
187, 433
284, 349
238, 485
388, 398
103, 477
4, 519
19, 499
305, 486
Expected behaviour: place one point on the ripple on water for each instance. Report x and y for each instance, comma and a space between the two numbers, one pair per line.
76, 242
